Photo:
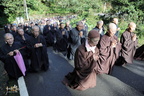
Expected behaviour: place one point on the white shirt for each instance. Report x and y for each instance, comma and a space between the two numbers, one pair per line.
89, 48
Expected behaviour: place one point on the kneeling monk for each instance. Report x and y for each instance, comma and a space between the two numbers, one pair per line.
84, 73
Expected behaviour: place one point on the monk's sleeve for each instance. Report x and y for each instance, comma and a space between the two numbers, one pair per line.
74, 38
43, 41
80, 61
105, 49
126, 42
117, 49
3, 56
66, 34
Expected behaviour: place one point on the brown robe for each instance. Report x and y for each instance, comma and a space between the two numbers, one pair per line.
128, 46
84, 74
108, 55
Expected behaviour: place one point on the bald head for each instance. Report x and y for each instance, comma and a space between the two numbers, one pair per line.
35, 31
100, 24
131, 26
9, 38
112, 28
35, 27
79, 25
115, 20
8, 35
21, 31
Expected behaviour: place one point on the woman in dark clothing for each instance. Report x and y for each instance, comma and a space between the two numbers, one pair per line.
7, 53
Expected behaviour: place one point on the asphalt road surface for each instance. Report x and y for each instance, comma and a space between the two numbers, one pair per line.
125, 80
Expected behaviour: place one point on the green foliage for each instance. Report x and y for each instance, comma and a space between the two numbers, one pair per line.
12, 8
125, 10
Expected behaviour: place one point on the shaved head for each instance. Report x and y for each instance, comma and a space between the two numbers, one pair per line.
35, 31
115, 20
131, 26
8, 35
100, 24
112, 28
9, 38
35, 27
79, 25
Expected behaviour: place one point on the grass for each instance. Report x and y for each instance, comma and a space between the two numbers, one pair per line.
140, 41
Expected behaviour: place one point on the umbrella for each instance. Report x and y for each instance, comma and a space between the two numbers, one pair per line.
20, 62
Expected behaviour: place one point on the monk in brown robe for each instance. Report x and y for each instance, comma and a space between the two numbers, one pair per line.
84, 73
129, 43
109, 50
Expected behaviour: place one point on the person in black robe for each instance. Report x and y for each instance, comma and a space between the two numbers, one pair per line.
7, 28
115, 21
85, 26
68, 26
99, 27
20, 25
47, 33
41, 25
14, 31
23, 39
27, 29
38, 49
47, 27
61, 39
139, 55
54, 31
76, 37
7, 53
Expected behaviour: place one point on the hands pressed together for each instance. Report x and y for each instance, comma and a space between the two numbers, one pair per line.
12, 52
38, 45
134, 37
113, 43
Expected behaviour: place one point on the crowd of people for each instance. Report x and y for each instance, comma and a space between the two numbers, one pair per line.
94, 52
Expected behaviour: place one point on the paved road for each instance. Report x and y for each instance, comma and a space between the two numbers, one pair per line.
49, 83
125, 81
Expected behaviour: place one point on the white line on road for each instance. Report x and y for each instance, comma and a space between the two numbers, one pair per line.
22, 87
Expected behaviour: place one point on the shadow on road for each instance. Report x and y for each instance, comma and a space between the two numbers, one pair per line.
131, 74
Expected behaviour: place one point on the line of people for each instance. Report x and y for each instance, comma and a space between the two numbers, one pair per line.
33, 49
94, 52
99, 53
32, 40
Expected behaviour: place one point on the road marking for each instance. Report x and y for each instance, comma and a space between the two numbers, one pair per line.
22, 87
